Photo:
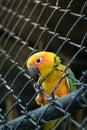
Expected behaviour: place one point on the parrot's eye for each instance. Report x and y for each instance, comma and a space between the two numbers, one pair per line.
38, 60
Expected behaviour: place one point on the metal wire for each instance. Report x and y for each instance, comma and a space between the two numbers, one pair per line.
29, 26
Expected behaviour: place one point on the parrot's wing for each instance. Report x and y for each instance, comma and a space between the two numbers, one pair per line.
70, 81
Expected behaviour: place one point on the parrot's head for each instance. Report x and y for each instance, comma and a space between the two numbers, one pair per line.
41, 64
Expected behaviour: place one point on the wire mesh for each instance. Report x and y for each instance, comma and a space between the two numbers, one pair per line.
28, 26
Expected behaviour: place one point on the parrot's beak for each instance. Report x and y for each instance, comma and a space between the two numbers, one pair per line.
33, 72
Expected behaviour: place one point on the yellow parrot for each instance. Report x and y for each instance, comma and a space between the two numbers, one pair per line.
48, 72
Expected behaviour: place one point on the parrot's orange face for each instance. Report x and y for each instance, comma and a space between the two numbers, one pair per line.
41, 64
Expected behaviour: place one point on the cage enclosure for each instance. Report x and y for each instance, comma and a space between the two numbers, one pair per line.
30, 26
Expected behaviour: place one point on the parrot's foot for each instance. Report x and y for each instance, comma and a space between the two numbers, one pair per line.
55, 100
44, 121
37, 87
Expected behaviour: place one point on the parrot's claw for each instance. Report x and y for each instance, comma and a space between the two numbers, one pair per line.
55, 99
43, 121
58, 102
37, 87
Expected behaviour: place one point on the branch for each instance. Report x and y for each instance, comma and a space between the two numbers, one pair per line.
70, 103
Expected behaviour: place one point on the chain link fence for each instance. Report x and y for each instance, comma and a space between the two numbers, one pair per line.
28, 26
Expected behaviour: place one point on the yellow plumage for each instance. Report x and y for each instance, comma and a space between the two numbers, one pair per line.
50, 69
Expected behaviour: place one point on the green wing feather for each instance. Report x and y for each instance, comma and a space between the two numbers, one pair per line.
50, 125
71, 81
